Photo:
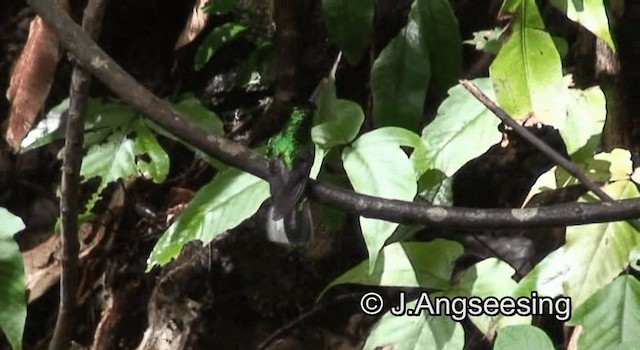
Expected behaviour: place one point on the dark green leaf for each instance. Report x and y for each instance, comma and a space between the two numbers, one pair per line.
214, 40
440, 30
400, 76
350, 24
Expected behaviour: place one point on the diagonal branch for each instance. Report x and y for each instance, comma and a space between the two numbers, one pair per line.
89, 55
556, 157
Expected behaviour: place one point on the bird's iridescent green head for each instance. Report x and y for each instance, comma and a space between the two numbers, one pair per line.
288, 143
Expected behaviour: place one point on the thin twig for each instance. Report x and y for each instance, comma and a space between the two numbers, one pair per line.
70, 187
557, 158
95, 60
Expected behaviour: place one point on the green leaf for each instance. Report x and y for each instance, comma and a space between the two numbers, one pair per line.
461, 121
146, 143
102, 118
611, 316
112, 160
344, 127
441, 33
490, 278
592, 256
13, 294
416, 332
487, 40
350, 24
193, 109
408, 264
523, 337
591, 14
214, 40
223, 204
400, 76
527, 73
220, 6
586, 113
377, 166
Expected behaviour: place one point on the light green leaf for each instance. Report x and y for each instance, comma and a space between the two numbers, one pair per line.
416, 332
441, 33
491, 278
146, 143
342, 129
112, 160
408, 264
13, 294
223, 204
350, 24
377, 166
215, 39
586, 113
591, 14
400, 76
592, 256
611, 316
527, 73
522, 337
461, 121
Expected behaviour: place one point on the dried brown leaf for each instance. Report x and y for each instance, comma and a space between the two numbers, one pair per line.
31, 80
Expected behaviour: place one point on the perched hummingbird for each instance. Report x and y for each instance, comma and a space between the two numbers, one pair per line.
291, 156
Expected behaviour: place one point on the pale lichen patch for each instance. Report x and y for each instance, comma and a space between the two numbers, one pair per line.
524, 214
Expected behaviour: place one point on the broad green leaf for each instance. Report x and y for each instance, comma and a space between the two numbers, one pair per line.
435, 187
490, 278
441, 33
400, 76
13, 294
461, 121
523, 337
215, 39
611, 316
377, 166
342, 129
591, 14
350, 24
146, 143
408, 264
586, 113
223, 204
416, 332
527, 73
592, 256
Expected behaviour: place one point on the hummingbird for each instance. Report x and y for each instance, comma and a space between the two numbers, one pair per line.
291, 154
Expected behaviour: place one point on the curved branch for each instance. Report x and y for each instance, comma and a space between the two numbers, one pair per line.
89, 55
